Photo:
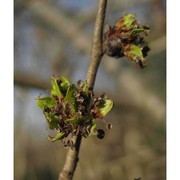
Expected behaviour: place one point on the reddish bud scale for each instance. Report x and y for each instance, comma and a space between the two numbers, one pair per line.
125, 34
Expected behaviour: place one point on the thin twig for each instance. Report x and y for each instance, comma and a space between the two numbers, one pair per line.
95, 58
97, 50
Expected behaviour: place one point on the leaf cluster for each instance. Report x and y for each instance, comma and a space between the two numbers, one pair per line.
126, 38
71, 109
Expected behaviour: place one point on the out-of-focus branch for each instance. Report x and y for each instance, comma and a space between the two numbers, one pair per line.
29, 80
136, 92
61, 23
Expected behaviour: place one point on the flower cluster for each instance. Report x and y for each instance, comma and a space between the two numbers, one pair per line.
126, 38
70, 109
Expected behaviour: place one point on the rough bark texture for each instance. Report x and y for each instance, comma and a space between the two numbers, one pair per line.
95, 58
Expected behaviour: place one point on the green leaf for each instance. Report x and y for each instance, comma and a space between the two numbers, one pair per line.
73, 120
93, 130
125, 22
128, 20
64, 83
55, 87
134, 32
85, 88
52, 120
70, 93
46, 102
70, 96
58, 136
106, 107
59, 86
134, 53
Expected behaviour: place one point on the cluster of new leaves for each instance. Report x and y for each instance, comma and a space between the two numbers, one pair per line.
70, 109
126, 38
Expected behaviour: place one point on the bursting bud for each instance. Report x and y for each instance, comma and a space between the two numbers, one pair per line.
126, 38
71, 110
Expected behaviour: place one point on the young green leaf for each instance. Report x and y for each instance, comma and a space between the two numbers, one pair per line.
93, 130
85, 88
134, 53
106, 107
70, 93
55, 87
70, 96
45, 102
58, 136
64, 83
128, 20
135, 32
52, 120
72, 120
125, 22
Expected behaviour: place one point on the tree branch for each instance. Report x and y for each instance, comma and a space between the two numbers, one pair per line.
95, 58
97, 50
30, 81
62, 23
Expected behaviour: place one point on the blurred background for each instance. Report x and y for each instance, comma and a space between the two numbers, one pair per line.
54, 37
